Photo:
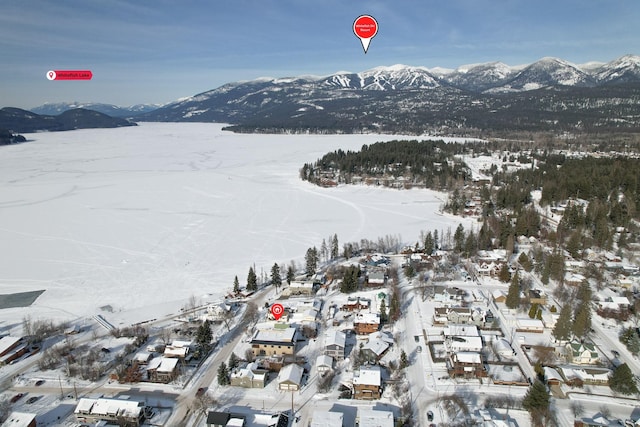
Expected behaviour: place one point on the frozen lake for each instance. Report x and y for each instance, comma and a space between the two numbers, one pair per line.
138, 217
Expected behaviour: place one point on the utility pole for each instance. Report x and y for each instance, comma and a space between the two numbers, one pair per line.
61, 392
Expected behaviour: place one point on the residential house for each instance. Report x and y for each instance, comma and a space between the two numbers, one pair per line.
327, 419
273, 342
356, 304
249, 376
375, 418
366, 323
225, 419
537, 296
324, 363
334, 344
529, 325
452, 330
163, 369
92, 411
574, 279
588, 376
378, 343
178, 348
466, 364
457, 344
290, 377
216, 312
376, 276
301, 288
582, 353
367, 383
499, 296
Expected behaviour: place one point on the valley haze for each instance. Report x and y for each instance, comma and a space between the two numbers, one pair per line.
143, 218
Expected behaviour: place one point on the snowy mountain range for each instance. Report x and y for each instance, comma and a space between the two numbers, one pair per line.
53, 109
549, 94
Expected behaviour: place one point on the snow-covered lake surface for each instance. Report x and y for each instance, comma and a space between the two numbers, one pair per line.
140, 217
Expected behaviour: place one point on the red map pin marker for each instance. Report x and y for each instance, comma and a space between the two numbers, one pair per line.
69, 75
277, 310
365, 27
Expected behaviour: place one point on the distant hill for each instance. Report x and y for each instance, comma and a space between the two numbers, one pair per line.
549, 94
18, 120
53, 109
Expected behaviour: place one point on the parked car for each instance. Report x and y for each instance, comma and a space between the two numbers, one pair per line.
39, 382
17, 397
417, 338
32, 399
419, 349
429, 415
201, 391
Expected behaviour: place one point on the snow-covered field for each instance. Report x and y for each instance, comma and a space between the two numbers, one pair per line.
145, 217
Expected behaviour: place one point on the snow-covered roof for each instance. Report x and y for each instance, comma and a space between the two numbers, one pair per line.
374, 418
368, 375
8, 342
530, 323
291, 373
163, 364
376, 345
324, 360
461, 331
468, 357
113, 407
285, 335
368, 318
19, 419
326, 419
552, 374
466, 343
335, 338
248, 372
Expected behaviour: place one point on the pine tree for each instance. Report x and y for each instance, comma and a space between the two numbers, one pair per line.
458, 239
383, 311
513, 296
504, 274
324, 251
536, 402
350, 280
428, 244
622, 380
252, 280
335, 249
311, 259
563, 327
525, 262
223, 374
290, 275
582, 316
276, 280
394, 305
582, 320
404, 361
236, 286
435, 240
234, 361
533, 311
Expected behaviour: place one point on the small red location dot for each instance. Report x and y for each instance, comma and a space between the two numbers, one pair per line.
365, 27
277, 310
51, 75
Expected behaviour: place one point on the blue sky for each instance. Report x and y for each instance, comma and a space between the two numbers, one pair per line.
158, 51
